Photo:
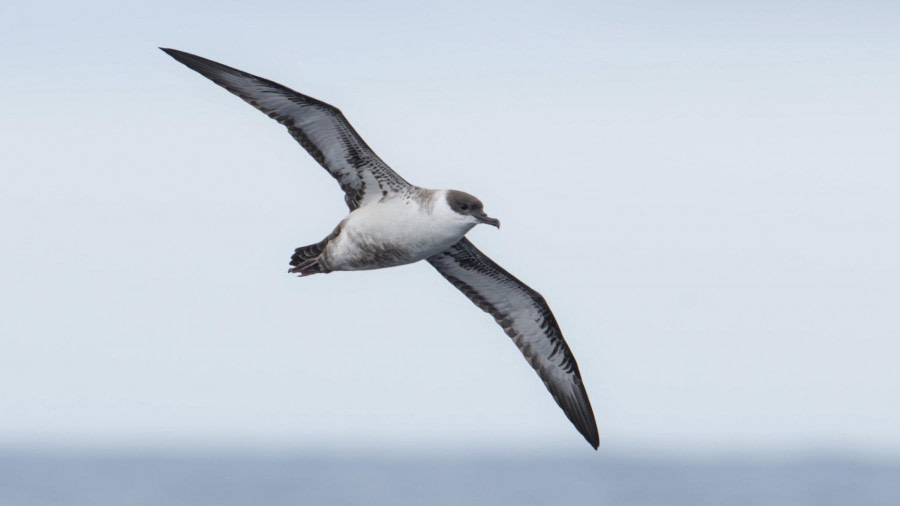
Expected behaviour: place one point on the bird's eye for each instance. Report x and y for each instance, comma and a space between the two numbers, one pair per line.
464, 207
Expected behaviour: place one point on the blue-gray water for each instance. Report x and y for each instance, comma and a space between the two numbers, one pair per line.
41, 479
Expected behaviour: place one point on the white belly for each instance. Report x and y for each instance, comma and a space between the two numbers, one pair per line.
393, 232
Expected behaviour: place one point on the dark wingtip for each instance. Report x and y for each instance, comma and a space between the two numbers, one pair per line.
180, 55
594, 441
589, 432
582, 417
212, 69
185, 58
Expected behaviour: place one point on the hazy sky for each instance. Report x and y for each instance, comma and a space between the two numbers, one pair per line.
707, 195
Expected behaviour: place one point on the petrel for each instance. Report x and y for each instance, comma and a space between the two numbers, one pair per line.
393, 222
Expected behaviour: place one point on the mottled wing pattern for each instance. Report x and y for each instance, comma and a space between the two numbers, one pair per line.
527, 319
319, 127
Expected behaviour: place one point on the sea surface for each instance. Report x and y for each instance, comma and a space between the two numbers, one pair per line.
232, 479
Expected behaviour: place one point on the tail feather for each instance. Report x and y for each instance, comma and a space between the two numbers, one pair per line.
307, 267
305, 260
305, 253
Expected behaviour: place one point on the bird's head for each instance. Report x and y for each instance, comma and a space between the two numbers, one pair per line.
469, 208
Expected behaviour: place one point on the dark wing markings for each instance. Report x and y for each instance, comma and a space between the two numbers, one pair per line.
320, 128
526, 318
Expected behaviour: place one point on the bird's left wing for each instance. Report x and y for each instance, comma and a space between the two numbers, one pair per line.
527, 319
320, 128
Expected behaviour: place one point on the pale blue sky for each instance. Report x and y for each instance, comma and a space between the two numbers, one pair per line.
707, 195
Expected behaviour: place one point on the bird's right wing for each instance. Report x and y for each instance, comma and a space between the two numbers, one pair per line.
319, 127
527, 319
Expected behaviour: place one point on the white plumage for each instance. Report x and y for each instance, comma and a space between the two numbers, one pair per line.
396, 230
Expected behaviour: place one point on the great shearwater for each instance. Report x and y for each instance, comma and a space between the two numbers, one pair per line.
392, 222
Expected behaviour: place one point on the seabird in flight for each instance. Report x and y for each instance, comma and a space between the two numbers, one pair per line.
392, 222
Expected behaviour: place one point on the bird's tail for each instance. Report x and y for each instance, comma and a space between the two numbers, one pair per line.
306, 267
306, 260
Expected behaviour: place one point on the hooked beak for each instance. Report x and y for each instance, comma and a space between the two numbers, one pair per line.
487, 220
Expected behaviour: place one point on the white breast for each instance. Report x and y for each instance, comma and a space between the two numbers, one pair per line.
396, 231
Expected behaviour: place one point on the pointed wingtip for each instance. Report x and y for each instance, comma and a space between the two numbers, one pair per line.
588, 429
178, 55
582, 415
592, 437
174, 53
191, 60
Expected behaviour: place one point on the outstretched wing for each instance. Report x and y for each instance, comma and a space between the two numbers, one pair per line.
526, 318
320, 128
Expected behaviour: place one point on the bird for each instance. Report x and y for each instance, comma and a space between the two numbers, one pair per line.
392, 222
